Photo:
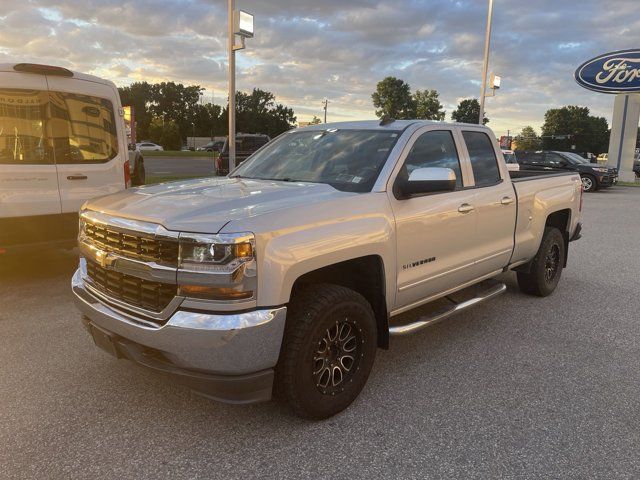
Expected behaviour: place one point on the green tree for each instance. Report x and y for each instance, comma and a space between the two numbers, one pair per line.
528, 139
428, 106
468, 111
258, 112
139, 95
315, 121
393, 98
573, 126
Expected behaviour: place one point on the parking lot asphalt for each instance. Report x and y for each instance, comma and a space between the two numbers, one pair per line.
170, 166
518, 387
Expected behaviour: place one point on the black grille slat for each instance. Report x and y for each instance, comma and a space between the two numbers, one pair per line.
137, 247
154, 296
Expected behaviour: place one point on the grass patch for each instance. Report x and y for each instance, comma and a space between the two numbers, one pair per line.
629, 184
169, 153
152, 180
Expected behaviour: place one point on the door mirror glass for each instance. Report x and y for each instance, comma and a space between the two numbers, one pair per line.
428, 180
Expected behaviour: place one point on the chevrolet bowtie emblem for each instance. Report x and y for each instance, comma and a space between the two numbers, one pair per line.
105, 259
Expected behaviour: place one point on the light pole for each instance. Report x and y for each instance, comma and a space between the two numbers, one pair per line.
325, 104
241, 24
485, 66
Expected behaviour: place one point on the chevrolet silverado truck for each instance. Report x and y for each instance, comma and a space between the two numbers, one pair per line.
289, 274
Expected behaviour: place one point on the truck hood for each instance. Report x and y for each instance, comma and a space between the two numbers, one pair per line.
207, 205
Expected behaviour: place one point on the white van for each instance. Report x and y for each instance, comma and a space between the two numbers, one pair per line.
62, 141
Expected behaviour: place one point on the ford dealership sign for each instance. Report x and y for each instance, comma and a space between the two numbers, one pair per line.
616, 72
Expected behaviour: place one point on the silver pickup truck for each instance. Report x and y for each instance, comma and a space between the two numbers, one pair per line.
289, 274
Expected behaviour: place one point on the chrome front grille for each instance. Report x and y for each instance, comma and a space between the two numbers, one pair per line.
153, 296
142, 247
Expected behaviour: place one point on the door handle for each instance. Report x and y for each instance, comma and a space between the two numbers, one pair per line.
506, 201
466, 208
77, 177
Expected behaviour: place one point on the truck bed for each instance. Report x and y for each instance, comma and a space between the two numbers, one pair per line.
525, 175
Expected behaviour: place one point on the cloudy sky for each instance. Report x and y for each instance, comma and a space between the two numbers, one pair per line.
307, 50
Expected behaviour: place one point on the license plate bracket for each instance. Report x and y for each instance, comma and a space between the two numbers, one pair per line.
104, 340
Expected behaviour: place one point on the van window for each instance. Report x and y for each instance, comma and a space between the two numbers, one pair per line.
82, 128
22, 128
483, 158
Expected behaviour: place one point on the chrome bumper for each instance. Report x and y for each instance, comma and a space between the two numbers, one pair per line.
233, 344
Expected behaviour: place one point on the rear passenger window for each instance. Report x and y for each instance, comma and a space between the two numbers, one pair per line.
483, 158
82, 128
434, 149
22, 132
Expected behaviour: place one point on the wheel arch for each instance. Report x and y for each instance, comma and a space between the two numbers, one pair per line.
365, 275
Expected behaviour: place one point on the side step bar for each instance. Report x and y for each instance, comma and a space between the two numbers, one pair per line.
495, 288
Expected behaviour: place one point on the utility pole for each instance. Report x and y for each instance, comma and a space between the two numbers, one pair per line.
485, 66
325, 103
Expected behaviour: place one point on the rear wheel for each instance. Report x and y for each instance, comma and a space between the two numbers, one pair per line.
589, 183
328, 350
546, 267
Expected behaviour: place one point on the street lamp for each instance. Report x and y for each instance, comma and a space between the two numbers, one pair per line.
240, 23
485, 66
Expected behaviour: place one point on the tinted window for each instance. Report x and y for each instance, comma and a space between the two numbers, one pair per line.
22, 128
434, 149
83, 128
483, 158
554, 160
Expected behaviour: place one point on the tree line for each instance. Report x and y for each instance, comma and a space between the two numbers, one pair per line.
393, 98
167, 113
566, 128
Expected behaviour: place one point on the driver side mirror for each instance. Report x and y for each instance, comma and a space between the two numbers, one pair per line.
427, 180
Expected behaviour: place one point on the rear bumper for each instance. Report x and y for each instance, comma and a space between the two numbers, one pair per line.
229, 357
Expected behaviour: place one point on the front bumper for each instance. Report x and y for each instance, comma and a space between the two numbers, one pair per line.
607, 180
229, 357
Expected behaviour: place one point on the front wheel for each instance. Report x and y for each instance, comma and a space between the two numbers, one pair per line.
328, 350
546, 267
589, 183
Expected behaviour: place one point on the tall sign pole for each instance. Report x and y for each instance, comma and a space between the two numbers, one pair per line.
232, 87
485, 66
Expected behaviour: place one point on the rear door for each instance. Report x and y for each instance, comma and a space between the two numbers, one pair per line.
28, 179
495, 201
88, 140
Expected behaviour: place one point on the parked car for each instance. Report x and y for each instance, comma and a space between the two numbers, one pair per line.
246, 145
296, 268
511, 160
62, 141
593, 176
142, 146
215, 146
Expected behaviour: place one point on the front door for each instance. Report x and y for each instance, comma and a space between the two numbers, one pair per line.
435, 233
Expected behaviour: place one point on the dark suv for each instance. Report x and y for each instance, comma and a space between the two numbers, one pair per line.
593, 176
246, 145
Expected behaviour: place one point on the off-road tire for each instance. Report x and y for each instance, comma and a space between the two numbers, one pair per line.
313, 314
540, 281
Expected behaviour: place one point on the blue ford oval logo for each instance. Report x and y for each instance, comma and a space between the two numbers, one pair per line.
615, 72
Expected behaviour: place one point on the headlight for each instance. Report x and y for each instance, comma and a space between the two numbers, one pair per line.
217, 267
601, 170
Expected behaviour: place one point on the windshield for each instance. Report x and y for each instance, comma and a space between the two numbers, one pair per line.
575, 158
348, 160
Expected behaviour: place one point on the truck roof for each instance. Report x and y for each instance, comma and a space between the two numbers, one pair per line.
9, 67
376, 125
